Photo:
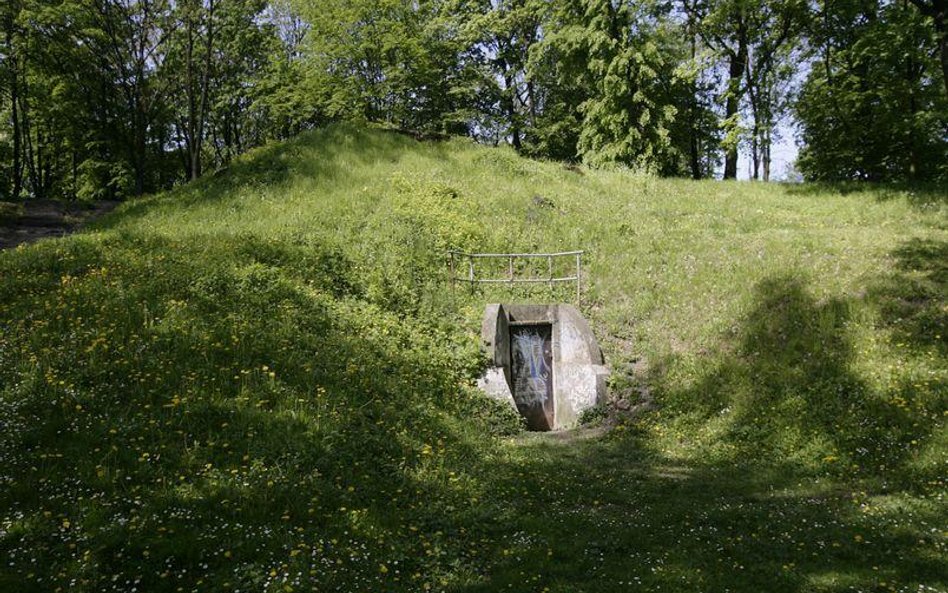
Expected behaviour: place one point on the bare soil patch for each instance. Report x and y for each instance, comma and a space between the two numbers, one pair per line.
38, 219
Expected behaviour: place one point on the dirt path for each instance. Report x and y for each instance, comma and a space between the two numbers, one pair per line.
39, 219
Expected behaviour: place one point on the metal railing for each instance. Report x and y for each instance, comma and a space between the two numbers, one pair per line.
459, 256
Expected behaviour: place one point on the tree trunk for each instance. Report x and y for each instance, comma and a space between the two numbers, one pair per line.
226, 128
40, 163
694, 157
238, 140
736, 69
138, 141
75, 175
190, 139
139, 127
197, 92
755, 153
186, 155
26, 135
765, 150
943, 46
140, 144
756, 132
510, 107
531, 97
15, 116
197, 169
738, 63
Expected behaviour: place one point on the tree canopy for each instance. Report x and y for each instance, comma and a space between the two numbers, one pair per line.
112, 98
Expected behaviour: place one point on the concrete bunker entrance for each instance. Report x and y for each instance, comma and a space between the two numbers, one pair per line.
546, 363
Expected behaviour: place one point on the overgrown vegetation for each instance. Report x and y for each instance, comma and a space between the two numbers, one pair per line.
107, 99
263, 382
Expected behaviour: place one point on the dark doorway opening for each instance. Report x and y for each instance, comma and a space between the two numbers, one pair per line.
531, 357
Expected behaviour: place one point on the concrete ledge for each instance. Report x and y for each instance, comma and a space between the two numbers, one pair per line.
495, 385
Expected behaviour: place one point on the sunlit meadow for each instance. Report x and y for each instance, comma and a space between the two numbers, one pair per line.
263, 381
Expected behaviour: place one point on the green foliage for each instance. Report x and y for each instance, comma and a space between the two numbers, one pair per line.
396, 61
594, 416
110, 99
426, 219
107, 99
262, 380
609, 72
438, 211
874, 106
624, 122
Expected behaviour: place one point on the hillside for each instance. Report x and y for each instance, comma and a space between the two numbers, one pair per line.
262, 381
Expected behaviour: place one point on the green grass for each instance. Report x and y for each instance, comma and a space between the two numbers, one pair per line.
263, 382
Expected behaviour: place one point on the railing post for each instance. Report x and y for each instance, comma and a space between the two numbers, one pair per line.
470, 264
549, 261
454, 279
579, 277
510, 269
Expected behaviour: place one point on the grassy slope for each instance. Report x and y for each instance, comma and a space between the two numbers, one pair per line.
262, 382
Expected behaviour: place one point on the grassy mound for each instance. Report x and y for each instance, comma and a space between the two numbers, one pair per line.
263, 382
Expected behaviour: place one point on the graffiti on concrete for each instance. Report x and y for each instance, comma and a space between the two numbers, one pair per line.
532, 356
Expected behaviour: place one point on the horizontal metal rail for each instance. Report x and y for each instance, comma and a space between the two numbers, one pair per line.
511, 276
516, 280
499, 255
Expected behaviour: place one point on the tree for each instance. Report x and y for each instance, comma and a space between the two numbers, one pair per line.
107, 98
751, 36
12, 72
723, 26
403, 62
557, 70
192, 55
216, 50
768, 70
284, 100
128, 39
614, 51
697, 128
502, 34
873, 106
937, 10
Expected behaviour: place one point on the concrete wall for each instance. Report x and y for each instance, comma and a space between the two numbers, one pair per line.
495, 337
579, 372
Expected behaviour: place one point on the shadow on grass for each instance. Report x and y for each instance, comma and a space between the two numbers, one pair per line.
913, 301
784, 499
173, 417
787, 391
605, 517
